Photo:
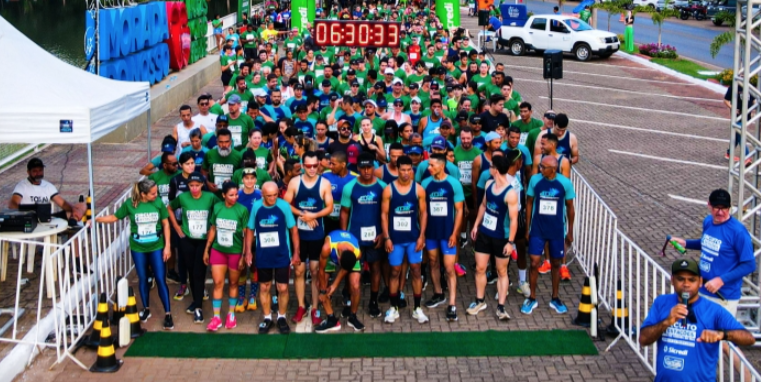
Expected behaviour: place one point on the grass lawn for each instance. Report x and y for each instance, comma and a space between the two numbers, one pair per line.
687, 67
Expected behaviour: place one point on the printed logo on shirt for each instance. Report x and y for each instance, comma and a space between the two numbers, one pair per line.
370, 198
711, 243
705, 265
682, 335
308, 203
673, 350
40, 199
405, 209
197, 215
673, 363
147, 217
271, 221
492, 206
551, 193
227, 224
440, 193
223, 168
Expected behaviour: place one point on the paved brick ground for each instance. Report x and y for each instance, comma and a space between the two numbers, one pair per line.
616, 94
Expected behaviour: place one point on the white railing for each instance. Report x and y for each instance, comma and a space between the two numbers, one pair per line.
600, 245
227, 21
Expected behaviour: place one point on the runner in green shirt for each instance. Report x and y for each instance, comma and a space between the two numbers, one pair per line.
149, 242
239, 124
220, 163
526, 123
224, 246
162, 177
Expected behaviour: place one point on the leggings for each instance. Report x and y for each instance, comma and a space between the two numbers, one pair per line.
156, 260
182, 269
191, 251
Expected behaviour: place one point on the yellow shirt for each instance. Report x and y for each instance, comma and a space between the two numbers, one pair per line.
268, 33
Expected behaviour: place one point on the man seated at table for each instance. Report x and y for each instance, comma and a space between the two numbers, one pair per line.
35, 190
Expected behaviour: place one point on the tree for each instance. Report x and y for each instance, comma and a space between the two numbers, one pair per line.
725, 37
660, 17
613, 7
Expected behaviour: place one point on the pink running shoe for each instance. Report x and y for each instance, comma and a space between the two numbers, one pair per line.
215, 324
460, 270
230, 322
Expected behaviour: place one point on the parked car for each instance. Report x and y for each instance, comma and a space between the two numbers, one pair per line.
696, 9
721, 5
678, 4
645, 3
568, 34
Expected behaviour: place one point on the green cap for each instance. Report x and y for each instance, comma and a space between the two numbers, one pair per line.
688, 265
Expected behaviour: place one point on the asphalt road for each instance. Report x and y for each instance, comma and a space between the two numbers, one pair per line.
690, 41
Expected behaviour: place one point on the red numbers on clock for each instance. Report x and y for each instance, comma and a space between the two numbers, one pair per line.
356, 33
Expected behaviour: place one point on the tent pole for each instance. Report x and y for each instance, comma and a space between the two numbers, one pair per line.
149, 134
93, 225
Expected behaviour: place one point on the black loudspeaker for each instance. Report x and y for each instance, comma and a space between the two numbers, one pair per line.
483, 18
553, 64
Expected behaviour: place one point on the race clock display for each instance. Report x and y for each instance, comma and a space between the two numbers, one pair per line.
364, 34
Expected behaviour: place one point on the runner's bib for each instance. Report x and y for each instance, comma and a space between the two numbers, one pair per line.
302, 225
490, 221
197, 228
402, 223
225, 237
269, 239
523, 138
439, 208
237, 133
368, 233
336, 211
548, 207
466, 172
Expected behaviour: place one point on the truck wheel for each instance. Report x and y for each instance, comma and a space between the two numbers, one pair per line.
582, 52
517, 47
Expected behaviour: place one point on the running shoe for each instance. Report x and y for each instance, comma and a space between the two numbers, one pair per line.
460, 270
402, 301
251, 303
265, 326
172, 277
152, 282
374, 310
191, 308
491, 278
215, 324
726, 155
524, 289
198, 317
345, 298
545, 268
145, 315
425, 281
316, 319
558, 306
282, 325
565, 274
168, 322
300, 313
308, 277
476, 307
451, 313
182, 291
529, 305
205, 295
383, 297
328, 325
418, 315
240, 305
496, 294
346, 312
502, 314
231, 322
435, 301
392, 314
514, 255
354, 322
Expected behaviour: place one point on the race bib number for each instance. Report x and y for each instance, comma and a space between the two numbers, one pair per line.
490, 222
303, 226
466, 172
368, 233
261, 163
219, 180
165, 199
237, 140
197, 228
402, 224
336, 211
225, 237
146, 230
548, 207
523, 138
428, 65
269, 240
439, 209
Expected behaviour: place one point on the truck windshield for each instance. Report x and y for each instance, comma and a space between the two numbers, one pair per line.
577, 25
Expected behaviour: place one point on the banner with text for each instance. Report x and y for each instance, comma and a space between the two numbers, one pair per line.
302, 14
448, 12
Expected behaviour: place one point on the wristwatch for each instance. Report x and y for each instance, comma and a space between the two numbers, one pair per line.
512, 243
726, 335
323, 291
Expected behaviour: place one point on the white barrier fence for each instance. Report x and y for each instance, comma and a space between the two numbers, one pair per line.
599, 244
80, 277
227, 22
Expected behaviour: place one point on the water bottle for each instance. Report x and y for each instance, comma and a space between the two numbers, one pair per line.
676, 245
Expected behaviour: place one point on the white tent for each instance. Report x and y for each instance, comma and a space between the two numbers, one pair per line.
39, 93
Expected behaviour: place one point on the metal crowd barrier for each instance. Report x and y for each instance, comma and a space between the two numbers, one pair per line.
600, 246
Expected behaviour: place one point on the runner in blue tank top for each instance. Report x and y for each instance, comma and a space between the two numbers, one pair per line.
272, 223
567, 142
360, 215
390, 172
339, 176
445, 198
498, 221
311, 199
429, 126
341, 249
549, 206
403, 218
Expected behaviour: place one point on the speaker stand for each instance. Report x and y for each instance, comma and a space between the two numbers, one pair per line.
551, 94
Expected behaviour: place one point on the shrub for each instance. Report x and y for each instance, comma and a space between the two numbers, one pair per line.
621, 39
726, 76
655, 51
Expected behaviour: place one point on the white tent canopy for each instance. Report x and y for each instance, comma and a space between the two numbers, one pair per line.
38, 91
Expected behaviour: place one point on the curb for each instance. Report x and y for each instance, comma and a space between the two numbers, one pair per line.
716, 88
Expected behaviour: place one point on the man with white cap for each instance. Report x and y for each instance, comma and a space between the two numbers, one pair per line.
397, 90
388, 78
371, 112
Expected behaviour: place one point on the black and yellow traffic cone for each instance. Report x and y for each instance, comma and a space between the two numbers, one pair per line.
93, 341
131, 313
106, 361
620, 315
584, 318
88, 215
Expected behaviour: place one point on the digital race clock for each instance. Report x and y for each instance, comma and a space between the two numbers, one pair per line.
364, 34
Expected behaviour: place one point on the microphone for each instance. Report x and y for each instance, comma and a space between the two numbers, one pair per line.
685, 300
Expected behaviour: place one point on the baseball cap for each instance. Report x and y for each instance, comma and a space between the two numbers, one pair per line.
365, 160
720, 197
371, 102
397, 81
415, 150
398, 101
343, 122
475, 119
36, 163
550, 116
439, 143
492, 136
449, 88
355, 83
259, 92
326, 83
249, 171
234, 100
462, 115
382, 103
434, 85
301, 107
353, 62
298, 87
414, 85
196, 177
379, 85
388, 71
223, 118
415, 100
351, 72
333, 96
688, 265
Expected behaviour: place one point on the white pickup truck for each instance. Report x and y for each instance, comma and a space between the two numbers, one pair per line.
565, 33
